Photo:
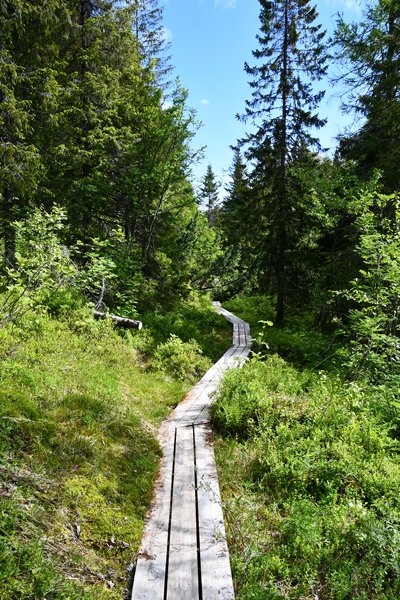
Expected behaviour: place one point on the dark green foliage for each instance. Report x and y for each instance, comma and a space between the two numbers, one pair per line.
243, 224
236, 213
87, 123
290, 57
370, 53
372, 323
208, 196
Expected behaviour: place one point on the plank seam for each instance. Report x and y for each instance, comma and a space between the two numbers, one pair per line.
170, 517
196, 488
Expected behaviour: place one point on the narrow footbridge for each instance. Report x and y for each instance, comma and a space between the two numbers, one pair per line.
184, 554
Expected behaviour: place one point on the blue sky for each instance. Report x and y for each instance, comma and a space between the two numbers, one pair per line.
210, 42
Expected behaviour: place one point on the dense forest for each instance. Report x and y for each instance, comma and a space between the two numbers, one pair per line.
98, 212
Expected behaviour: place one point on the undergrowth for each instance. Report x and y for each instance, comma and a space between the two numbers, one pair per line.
80, 407
310, 475
192, 320
299, 340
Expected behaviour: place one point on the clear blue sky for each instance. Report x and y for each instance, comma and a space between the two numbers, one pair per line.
210, 42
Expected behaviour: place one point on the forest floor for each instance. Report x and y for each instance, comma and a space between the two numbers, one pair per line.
80, 409
309, 461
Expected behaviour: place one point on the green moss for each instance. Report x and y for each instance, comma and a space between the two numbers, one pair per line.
78, 426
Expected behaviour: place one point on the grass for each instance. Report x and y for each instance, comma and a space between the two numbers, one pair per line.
309, 468
193, 320
298, 340
80, 410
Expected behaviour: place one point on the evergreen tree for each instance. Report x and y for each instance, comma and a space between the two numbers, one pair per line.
25, 92
209, 195
85, 123
370, 52
291, 56
150, 35
236, 204
85, 135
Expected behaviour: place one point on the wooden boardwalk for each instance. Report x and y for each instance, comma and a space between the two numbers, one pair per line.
184, 554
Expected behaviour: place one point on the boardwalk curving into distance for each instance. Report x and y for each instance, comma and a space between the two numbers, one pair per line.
184, 554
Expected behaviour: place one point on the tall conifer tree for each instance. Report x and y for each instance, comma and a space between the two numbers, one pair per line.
370, 53
150, 34
25, 94
235, 211
290, 57
90, 131
209, 194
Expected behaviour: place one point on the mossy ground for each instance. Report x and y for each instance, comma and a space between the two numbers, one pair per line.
80, 411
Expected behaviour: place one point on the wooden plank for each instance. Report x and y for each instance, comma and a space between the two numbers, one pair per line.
183, 576
173, 518
214, 556
235, 334
149, 579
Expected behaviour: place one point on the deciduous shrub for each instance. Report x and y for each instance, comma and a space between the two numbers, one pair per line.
311, 479
183, 360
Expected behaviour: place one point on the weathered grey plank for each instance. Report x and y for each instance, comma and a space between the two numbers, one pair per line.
235, 334
214, 555
168, 562
183, 579
151, 564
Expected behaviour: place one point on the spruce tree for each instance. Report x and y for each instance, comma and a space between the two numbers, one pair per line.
209, 195
89, 133
290, 58
235, 210
25, 86
151, 40
370, 54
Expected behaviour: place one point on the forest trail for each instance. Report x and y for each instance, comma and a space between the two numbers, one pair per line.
184, 554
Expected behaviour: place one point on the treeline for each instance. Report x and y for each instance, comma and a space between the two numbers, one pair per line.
313, 232
96, 157
92, 122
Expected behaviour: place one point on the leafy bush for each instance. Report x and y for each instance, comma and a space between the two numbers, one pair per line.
311, 485
298, 340
193, 319
48, 275
242, 399
182, 360
372, 324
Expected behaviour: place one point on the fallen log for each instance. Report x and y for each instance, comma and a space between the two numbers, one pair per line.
120, 321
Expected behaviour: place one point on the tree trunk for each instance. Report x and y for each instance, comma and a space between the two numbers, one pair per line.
280, 276
120, 321
282, 212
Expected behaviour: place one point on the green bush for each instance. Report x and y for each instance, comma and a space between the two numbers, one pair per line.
310, 475
298, 340
193, 319
182, 360
243, 400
